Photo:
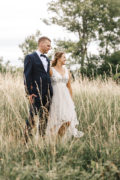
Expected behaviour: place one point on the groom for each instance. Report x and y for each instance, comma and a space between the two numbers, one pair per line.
38, 84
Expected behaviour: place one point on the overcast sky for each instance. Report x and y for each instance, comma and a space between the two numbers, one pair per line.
21, 18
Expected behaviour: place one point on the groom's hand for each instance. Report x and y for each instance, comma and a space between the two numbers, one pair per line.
31, 98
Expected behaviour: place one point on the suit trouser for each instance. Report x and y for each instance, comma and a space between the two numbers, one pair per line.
41, 109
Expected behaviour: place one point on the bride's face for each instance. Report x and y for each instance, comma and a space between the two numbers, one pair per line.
62, 60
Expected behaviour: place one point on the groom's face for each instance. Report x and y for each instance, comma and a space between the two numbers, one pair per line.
45, 46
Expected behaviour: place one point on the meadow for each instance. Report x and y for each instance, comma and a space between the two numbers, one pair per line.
96, 156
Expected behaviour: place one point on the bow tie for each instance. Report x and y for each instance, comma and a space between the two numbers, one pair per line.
43, 56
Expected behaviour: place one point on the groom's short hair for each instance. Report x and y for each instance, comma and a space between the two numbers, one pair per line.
43, 38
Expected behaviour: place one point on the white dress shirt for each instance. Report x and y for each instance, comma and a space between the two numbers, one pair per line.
43, 59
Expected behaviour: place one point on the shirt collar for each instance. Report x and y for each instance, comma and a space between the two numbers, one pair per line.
38, 52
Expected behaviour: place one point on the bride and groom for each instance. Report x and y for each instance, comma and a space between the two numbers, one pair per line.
50, 94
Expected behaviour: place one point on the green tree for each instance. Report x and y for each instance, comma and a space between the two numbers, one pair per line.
30, 44
1, 64
109, 26
78, 17
111, 65
5, 67
90, 20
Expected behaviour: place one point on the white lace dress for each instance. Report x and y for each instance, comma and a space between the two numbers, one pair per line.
62, 108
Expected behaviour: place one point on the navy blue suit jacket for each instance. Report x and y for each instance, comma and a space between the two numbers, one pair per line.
36, 76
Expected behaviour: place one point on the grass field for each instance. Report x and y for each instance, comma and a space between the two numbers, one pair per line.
95, 156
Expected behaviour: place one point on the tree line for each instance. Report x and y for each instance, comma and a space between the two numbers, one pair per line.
91, 21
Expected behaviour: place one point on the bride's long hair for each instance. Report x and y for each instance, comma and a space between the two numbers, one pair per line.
57, 56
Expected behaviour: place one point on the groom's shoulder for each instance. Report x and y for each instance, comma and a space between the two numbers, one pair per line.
31, 55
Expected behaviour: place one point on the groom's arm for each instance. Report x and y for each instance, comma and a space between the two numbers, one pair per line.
28, 74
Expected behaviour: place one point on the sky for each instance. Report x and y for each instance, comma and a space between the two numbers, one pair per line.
21, 18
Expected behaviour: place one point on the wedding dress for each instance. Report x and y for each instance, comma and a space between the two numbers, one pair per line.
62, 108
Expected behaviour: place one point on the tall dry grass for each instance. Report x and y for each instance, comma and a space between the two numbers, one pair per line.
95, 156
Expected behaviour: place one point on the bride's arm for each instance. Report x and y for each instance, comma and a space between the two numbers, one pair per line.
50, 72
69, 85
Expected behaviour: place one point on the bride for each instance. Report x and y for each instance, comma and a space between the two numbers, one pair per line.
62, 116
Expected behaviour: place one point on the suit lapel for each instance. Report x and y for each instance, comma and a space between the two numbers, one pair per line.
38, 59
48, 65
